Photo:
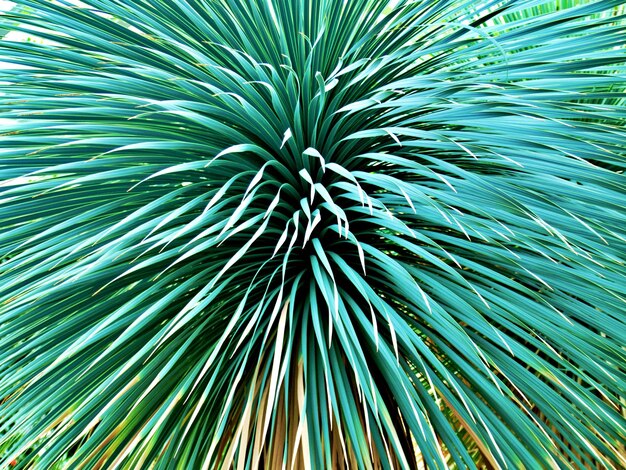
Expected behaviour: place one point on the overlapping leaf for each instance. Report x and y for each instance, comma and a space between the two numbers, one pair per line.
313, 234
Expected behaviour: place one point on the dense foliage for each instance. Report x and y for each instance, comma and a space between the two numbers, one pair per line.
312, 234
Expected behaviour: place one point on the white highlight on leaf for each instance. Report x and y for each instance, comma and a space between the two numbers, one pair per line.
288, 135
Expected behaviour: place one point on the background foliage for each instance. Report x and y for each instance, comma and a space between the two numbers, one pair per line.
312, 234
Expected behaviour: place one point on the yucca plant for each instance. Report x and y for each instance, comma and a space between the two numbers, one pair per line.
312, 234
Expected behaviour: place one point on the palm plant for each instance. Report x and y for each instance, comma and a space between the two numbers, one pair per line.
312, 234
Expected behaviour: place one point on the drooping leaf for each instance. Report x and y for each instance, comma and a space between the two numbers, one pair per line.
313, 234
